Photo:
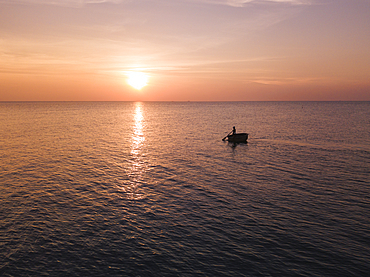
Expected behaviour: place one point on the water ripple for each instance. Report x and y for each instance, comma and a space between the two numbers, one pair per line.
149, 189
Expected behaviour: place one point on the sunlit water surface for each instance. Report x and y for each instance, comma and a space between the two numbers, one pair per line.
150, 189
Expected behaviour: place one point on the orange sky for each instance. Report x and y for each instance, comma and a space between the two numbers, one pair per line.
197, 50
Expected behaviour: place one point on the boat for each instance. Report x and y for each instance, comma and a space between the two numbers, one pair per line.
234, 137
237, 138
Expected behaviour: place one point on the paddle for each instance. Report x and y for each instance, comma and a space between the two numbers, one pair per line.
226, 136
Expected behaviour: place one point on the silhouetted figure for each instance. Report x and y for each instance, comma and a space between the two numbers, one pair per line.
234, 130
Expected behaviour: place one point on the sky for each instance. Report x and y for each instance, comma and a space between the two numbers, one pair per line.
189, 50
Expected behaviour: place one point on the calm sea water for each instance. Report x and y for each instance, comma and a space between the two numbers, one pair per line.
150, 189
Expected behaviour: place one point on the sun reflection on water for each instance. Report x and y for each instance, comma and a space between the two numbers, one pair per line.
135, 173
138, 135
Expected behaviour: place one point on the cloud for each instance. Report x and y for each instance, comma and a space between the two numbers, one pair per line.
80, 3
243, 3
65, 3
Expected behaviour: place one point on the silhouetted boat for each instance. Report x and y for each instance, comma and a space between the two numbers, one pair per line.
241, 137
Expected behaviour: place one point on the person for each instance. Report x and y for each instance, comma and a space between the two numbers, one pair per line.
234, 130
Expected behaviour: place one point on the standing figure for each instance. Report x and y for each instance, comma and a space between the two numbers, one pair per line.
234, 130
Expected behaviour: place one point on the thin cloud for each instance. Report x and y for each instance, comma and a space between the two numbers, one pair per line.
80, 3
64, 3
243, 3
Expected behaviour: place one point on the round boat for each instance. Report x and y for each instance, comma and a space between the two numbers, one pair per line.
241, 137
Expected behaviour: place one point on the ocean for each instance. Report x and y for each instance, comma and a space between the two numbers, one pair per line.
150, 189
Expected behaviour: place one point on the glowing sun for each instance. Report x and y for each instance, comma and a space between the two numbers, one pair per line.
137, 80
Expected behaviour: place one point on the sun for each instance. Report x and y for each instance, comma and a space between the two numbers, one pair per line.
137, 80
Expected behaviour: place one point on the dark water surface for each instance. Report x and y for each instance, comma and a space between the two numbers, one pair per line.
149, 189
